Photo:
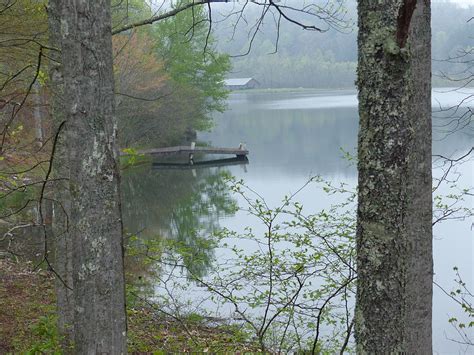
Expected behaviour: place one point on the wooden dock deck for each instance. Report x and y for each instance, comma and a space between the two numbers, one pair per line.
240, 151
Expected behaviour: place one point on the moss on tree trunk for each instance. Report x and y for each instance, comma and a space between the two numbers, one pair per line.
394, 233
95, 226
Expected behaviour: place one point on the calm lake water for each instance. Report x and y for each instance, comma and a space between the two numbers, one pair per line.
292, 136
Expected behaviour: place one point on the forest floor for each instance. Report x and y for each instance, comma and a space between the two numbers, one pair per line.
25, 297
28, 321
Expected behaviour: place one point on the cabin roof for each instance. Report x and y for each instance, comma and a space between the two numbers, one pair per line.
237, 81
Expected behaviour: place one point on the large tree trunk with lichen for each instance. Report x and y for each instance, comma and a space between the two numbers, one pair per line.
95, 225
59, 237
394, 232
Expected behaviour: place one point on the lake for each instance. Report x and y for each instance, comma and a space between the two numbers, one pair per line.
291, 136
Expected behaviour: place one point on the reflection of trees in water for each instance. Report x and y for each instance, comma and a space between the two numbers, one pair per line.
297, 141
453, 127
178, 206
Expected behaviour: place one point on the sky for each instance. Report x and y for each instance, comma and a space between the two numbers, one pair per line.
461, 2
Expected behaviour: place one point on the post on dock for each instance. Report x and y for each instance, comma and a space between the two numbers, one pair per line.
238, 154
191, 155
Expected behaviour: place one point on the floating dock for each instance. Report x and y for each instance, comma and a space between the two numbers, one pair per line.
239, 152
241, 160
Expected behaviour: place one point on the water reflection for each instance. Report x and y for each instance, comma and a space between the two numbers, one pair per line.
320, 99
297, 139
287, 142
291, 136
180, 205
204, 164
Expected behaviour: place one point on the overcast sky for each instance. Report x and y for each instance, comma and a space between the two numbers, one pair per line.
462, 2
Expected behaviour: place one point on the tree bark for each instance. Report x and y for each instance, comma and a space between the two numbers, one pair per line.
394, 232
59, 236
37, 116
95, 216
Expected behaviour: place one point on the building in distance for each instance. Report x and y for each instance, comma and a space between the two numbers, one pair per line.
241, 83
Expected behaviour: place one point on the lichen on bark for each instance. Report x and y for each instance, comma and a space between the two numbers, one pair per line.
95, 214
394, 262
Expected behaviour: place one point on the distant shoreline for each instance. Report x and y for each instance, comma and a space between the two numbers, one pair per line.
288, 90
348, 89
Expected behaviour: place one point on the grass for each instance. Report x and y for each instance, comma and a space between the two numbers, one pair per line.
150, 332
28, 321
25, 297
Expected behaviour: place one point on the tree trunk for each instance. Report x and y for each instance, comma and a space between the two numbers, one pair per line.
37, 116
95, 218
394, 232
60, 237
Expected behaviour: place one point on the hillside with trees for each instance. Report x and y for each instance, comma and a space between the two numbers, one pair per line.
167, 86
298, 58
